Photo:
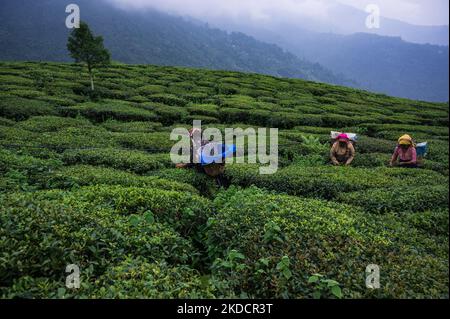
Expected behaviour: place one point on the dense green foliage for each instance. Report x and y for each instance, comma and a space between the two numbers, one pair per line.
88, 180
316, 237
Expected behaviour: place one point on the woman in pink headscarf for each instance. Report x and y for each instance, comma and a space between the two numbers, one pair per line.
342, 152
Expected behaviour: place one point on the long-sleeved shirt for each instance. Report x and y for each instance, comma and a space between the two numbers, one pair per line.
410, 155
341, 154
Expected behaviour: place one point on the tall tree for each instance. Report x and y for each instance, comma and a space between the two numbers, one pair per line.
86, 48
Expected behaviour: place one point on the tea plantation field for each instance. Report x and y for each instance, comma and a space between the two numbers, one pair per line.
86, 179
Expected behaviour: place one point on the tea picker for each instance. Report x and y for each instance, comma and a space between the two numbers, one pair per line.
407, 154
209, 157
342, 150
213, 159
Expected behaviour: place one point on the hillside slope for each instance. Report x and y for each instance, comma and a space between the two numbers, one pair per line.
381, 64
86, 179
32, 31
377, 63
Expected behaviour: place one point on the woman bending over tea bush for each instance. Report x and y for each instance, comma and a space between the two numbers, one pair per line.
342, 152
405, 153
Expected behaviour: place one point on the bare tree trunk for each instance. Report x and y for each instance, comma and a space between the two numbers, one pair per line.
92, 81
91, 76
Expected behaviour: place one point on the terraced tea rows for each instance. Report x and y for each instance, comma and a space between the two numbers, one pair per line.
86, 179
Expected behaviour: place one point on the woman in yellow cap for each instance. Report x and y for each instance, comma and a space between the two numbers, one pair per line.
405, 153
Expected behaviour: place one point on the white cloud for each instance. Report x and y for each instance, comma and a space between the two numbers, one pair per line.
253, 9
414, 11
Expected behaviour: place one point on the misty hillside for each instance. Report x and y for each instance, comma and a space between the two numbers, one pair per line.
335, 18
355, 22
31, 30
381, 64
377, 63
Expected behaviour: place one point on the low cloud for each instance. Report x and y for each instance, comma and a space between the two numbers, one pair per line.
420, 12
426, 12
255, 10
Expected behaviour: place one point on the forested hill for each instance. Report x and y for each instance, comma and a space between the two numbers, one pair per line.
35, 30
384, 64
381, 64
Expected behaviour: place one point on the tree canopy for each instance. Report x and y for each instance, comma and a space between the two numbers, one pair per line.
86, 48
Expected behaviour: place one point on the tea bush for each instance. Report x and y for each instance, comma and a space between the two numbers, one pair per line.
337, 120
429, 130
204, 109
167, 115
399, 200
310, 120
20, 172
18, 109
374, 145
287, 120
197, 97
327, 182
136, 278
137, 99
184, 211
15, 136
52, 123
254, 231
438, 151
227, 89
71, 137
58, 100
394, 135
6, 122
81, 233
437, 166
27, 93
131, 127
204, 184
313, 129
149, 90
151, 142
101, 112
433, 222
27, 287
371, 160
205, 119
16, 79
167, 99
135, 161
232, 115
237, 101
85, 175
311, 160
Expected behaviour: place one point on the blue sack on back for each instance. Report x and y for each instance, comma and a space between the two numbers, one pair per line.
225, 151
422, 149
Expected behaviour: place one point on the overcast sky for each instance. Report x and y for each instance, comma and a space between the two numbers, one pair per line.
423, 12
